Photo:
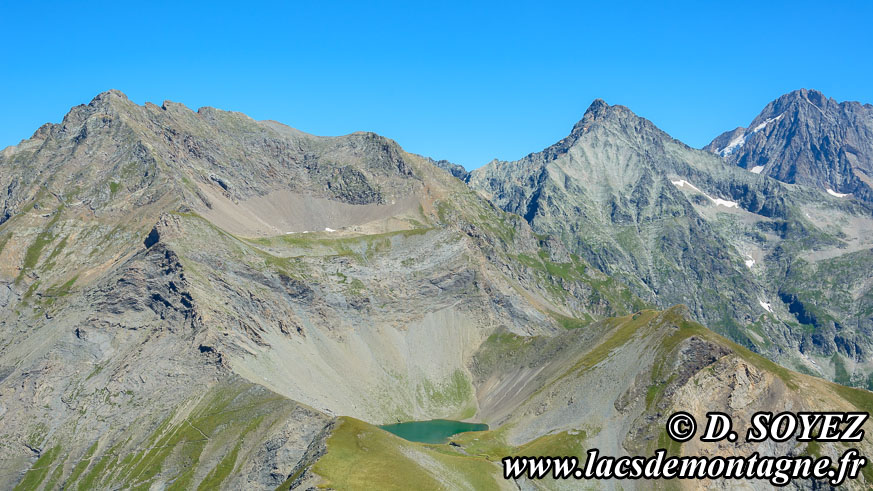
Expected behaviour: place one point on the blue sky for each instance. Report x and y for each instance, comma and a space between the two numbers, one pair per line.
448, 80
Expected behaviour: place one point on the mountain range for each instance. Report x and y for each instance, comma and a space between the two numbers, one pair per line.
198, 299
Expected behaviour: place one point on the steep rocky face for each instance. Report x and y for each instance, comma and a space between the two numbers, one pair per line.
452, 168
681, 226
806, 138
614, 191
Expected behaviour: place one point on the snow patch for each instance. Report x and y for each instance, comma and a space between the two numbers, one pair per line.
766, 122
328, 229
724, 202
766, 306
681, 183
756, 169
750, 263
733, 145
741, 140
838, 195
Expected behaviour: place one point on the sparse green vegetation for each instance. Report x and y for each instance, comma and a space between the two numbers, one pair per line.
356, 287
83, 463
572, 271
30, 291
625, 328
49, 262
217, 475
54, 292
671, 446
457, 392
377, 242
40, 469
5, 240
556, 276
688, 328
225, 417
813, 449
571, 322
31, 256
656, 390
97, 369
860, 398
492, 444
841, 376
54, 480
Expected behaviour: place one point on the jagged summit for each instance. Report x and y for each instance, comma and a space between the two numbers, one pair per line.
617, 172
601, 112
109, 95
807, 138
812, 96
603, 121
596, 107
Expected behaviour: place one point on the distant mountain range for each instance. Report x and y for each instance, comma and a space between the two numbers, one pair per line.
198, 299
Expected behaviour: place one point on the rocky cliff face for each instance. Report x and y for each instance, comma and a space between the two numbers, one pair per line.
201, 299
806, 138
607, 190
681, 226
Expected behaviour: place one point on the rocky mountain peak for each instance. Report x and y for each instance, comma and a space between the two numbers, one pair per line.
598, 108
809, 95
601, 112
804, 137
108, 96
809, 103
606, 122
111, 101
597, 111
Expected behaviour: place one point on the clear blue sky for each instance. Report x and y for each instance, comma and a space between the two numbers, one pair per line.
464, 83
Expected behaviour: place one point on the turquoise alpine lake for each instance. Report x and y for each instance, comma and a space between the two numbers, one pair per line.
433, 431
